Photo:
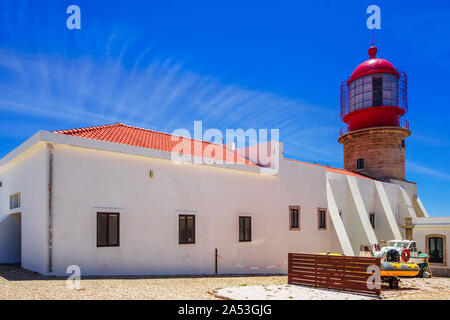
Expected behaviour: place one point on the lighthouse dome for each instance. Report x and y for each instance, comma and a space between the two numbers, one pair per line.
373, 65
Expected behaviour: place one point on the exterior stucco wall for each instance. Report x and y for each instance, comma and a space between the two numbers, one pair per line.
434, 226
27, 174
87, 181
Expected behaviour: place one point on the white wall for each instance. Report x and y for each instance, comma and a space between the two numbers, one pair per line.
27, 174
434, 226
87, 181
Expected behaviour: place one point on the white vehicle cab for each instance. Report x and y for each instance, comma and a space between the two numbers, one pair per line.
408, 247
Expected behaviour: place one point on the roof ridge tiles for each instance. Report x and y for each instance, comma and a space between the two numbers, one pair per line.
152, 139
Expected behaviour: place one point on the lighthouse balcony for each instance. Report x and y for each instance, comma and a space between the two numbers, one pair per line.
403, 123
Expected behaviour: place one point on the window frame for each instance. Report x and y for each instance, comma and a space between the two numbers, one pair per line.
319, 220
107, 229
11, 197
360, 164
244, 218
444, 248
186, 216
291, 227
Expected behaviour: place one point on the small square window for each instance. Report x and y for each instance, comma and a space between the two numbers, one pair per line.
14, 201
360, 164
108, 226
294, 217
245, 229
186, 229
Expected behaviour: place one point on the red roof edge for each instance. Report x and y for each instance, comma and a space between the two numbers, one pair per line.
334, 170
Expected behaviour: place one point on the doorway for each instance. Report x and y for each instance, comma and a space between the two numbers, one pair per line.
11, 238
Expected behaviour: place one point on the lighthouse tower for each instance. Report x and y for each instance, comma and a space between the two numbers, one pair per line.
373, 100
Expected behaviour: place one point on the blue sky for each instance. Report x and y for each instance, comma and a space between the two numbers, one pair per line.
232, 64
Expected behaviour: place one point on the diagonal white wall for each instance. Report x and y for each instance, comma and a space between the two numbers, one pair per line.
385, 205
419, 208
337, 222
406, 202
361, 210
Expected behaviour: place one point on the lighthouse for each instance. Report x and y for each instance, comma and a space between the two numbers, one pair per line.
373, 102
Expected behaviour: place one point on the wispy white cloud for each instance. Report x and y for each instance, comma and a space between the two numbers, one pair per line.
155, 93
427, 140
420, 169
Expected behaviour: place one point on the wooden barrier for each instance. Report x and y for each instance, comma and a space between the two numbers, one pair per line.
332, 272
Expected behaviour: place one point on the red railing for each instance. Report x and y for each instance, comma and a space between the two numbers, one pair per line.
404, 123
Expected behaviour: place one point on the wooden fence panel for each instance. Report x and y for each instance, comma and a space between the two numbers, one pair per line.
332, 272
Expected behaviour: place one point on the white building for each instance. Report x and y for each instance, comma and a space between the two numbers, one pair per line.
111, 200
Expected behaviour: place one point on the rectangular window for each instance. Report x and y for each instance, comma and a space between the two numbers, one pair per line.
245, 229
372, 219
294, 217
14, 201
360, 164
322, 218
436, 248
186, 228
108, 226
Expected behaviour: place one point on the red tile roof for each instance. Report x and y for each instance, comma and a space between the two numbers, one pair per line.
138, 137
335, 170
145, 138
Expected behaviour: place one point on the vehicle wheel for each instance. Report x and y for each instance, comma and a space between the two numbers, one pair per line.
393, 283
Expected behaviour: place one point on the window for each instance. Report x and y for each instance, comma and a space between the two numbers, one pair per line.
372, 219
360, 164
14, 201
403, 143
436, 249
108, 229
294, 217
322, 218
186, 228
377, 85
245, 229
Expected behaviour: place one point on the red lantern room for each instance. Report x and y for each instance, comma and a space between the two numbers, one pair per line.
374, 95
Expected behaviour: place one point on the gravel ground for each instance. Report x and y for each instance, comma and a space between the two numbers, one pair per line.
436, 288
18, 283
286, 292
